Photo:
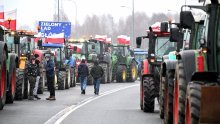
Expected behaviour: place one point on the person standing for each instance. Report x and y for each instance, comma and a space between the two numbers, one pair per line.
32, 71
83, 73
37, 78
97, 72
50, 76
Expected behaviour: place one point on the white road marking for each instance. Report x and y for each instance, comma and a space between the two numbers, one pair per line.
60, 116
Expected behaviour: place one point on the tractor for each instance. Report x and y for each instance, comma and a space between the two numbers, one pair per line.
159, 45
196, 86
62, 70
124, 66
91, 50
7, 72
187, 39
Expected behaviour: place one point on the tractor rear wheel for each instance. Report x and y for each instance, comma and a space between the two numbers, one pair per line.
162, 96
41, 84
68, 79
104, 78
10, 95
180, 85
26, 87
193, 103
132, 72
90, 80
19, 94
169, 86
121, 74
3, 80
148, 94
61, 80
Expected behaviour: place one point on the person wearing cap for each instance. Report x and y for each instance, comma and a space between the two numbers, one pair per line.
32, 71
49, 67
37, 78
97, 72
83, 72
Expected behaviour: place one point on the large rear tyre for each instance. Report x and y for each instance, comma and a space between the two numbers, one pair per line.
12, 81
90, 80
149, 94
121, 73
168, 118
61, 80
193, 103
68, 79
179, 94
26, 87
19, 93
72, 78
41, 85
104, 79
162, 96
132, 72
3, 80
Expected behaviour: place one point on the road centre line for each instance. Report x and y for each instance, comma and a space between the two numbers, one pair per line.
60, 116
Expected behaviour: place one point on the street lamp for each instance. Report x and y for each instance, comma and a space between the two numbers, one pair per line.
132, 14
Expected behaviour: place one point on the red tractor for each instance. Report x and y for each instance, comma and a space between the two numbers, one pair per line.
159, 45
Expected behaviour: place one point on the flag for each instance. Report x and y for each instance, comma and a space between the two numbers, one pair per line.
55, 39
101, 37
123, 39
9, 20
1, 12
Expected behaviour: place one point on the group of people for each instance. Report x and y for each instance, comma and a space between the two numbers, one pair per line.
96, 72
33, 72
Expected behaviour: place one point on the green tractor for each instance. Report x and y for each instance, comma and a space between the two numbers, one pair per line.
124, 66
187, 39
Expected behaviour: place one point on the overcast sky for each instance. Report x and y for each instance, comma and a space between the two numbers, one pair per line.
30, 11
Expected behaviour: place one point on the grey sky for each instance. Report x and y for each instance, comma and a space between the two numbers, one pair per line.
30, 11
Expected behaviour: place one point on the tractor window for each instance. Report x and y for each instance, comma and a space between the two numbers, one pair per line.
163, 47
140, 57
96, 50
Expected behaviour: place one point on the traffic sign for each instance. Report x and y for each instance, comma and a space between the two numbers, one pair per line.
49, 29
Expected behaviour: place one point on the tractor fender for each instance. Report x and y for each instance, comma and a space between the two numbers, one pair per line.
168, 65
145, 67
3, 47
188, 59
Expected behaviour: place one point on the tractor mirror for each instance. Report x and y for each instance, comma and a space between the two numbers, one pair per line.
75, 48
164, 27
16, 39
138, 41
39, 43
186, 19
174, 34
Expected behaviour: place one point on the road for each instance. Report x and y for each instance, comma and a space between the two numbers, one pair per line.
117, 103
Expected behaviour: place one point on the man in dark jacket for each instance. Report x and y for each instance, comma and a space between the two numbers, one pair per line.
50, 76
37, 78
83, 72
32, 72
97, 73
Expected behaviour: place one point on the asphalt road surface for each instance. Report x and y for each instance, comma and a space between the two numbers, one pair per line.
118, 103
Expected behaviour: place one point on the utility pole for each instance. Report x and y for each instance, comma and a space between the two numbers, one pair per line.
132, 40
58, 12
